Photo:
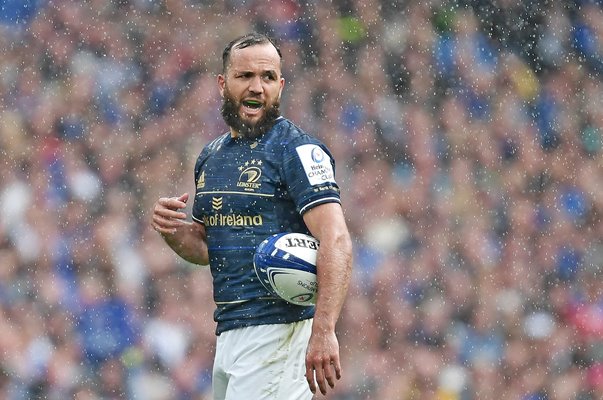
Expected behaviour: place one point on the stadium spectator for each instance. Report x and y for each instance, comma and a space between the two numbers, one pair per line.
468, 141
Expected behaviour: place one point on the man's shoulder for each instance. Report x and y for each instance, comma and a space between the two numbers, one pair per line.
216, 143
286, 132
211, 148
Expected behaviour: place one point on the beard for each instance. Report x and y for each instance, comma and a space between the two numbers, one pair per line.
230, 113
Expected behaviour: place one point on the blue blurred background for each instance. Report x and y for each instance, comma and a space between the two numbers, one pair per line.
468, 140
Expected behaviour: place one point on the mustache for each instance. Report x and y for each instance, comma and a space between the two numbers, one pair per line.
230, 114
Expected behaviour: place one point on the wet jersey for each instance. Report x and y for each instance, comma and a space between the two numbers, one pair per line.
246, 191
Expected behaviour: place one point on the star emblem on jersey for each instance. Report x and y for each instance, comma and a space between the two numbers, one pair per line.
249, 178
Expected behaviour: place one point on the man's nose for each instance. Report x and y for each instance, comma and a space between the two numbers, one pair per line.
255, 86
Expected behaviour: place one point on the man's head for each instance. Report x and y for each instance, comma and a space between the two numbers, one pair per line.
251, 84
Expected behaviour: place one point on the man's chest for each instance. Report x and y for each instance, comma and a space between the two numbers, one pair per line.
242, 183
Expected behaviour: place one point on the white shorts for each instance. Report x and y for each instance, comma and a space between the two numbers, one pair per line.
264, 362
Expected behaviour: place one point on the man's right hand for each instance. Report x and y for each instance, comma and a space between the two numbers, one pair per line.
167, 217
186, 238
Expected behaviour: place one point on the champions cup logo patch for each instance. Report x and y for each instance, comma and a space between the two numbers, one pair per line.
317, 155
317, 164
251, 173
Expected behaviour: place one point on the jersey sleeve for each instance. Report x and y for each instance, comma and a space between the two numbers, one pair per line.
309, 171
199, 184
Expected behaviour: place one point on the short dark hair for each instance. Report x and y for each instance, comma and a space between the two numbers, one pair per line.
247, 40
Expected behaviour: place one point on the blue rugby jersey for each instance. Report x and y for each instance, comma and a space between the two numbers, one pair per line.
247, 190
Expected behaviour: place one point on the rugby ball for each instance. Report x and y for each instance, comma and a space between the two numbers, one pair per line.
285, 263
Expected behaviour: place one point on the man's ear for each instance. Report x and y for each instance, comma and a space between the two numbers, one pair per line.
282, 86
221, 84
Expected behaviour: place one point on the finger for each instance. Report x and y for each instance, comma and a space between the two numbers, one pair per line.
173, 203
169, 213
162, 230
183, 198
329, 369
310, 377
337, 366
320, 378
167, 223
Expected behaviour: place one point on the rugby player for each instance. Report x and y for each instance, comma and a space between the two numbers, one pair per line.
264, 176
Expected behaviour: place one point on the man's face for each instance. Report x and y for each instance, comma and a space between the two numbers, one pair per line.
251, 88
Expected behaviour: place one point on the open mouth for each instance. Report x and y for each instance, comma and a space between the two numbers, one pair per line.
254, 104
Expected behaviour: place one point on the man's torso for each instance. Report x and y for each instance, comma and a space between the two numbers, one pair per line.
244, 194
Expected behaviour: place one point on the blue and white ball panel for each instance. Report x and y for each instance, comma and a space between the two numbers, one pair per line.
286, 265
295, 286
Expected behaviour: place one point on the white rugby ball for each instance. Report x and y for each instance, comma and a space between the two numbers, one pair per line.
285, 263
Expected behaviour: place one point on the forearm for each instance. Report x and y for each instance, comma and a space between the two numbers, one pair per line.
189, 242
334, 266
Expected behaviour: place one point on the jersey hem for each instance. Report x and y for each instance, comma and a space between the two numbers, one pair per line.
221, 328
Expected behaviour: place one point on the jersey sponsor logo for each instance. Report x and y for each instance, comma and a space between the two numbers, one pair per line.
232, 220
250, 175
316, 163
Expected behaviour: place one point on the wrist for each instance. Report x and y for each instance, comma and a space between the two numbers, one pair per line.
323, 325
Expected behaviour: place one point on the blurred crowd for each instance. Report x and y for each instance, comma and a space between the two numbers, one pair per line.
468, 137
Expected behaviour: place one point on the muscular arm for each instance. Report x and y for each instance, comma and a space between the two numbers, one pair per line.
187, 239
334, 265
